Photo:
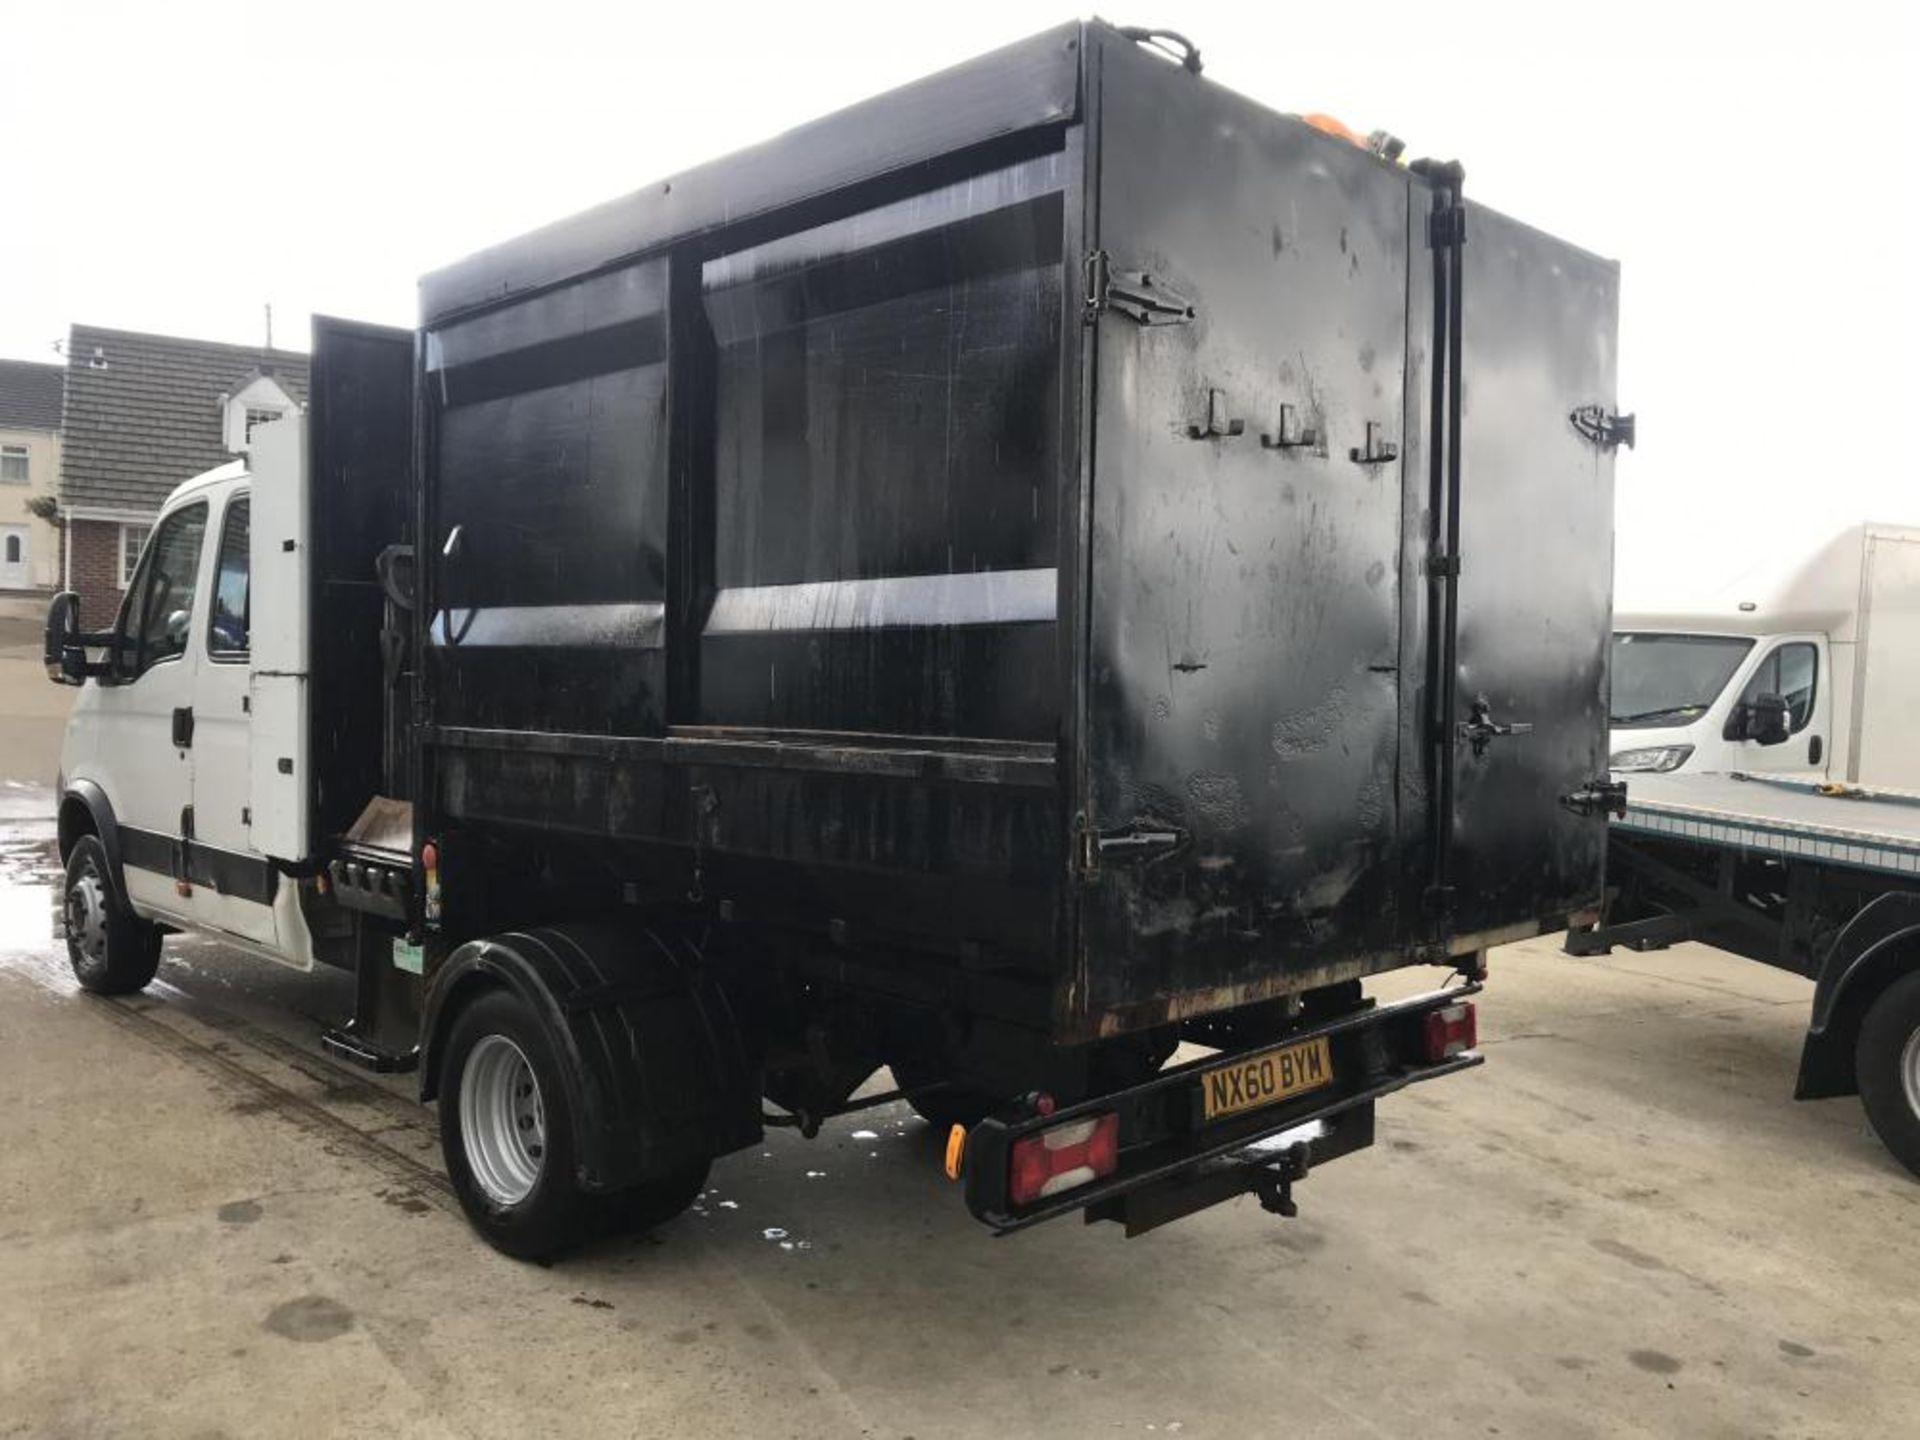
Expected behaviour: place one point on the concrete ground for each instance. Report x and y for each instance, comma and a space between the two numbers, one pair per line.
1620, 1225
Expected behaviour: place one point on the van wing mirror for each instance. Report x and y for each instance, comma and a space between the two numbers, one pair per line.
66, 658
1768, 720
65, 646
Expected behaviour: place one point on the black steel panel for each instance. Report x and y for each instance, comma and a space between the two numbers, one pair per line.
551, 448
1031, 84
1536, 571
886, 467
1245, 642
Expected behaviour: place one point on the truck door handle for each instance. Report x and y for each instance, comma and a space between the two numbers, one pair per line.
1815, 750
183, 726
1481, 730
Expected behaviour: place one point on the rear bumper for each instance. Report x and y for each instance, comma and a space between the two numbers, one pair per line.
1173, 1162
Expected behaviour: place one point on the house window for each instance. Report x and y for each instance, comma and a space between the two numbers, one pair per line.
132, 537
13, 464
256, 416
13, 550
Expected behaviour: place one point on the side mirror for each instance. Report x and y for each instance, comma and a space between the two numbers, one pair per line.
1769, 722
65, 655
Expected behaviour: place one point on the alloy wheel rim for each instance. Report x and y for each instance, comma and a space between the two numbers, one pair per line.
87, 919
503, 1121
1910, 1071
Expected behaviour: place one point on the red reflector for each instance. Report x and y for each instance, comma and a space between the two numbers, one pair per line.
1451, 1031
1062, 1158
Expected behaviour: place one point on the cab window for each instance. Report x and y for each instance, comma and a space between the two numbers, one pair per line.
228, 619
160, 601
1790, 671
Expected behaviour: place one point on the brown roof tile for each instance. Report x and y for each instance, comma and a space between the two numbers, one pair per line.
30, 395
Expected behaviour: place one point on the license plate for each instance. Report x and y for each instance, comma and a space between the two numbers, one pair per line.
1266, 1078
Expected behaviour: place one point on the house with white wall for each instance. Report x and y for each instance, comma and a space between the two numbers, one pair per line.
30, 557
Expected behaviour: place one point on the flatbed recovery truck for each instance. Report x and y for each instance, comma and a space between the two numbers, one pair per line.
1052, 562
1820, 879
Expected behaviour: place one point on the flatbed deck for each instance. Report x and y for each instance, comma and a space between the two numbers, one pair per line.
1867, 829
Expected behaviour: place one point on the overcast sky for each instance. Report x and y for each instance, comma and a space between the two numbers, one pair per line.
176, 167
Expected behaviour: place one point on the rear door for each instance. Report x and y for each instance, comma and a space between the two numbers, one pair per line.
233, 884
1536, 574
1240, 791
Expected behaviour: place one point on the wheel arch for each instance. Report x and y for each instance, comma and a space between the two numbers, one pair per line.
657, 1073
1878, 946
85, 810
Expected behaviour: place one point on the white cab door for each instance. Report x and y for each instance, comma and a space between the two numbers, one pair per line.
145, 717
1795, 670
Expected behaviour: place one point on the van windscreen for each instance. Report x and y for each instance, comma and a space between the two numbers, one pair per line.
1666, 679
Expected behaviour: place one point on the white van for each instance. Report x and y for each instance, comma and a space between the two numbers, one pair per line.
180, 743
1816, 673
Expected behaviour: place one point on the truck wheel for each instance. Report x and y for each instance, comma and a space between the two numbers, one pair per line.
655, 1202
506, 1130
112, 950
1887, 1064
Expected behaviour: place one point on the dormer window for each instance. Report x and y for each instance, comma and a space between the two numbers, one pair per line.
256, 400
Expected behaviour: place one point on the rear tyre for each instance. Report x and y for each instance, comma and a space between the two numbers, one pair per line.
1886, 1061
655, 1202
112, 950
506, 1131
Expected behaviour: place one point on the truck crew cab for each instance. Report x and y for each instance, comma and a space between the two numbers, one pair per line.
158, 810
993, 584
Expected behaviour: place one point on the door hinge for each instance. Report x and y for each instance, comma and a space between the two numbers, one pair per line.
1447, 227
1481, 730
1603, 427
1133, 293
1599, 797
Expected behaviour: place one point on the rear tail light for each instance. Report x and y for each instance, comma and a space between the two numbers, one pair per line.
1451, 1031
1062, 1158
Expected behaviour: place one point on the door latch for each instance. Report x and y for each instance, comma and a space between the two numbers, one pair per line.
1140, 841
1377, 450
1603, 427
1480, 729
1599, 797
1133, 293
183, 726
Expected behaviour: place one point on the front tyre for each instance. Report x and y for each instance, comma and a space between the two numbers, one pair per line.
1887, 1065
112, 950
506, 1131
